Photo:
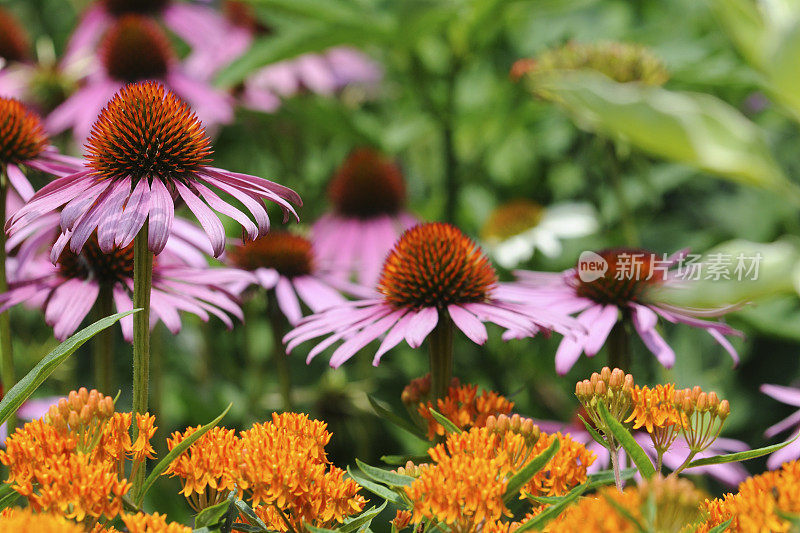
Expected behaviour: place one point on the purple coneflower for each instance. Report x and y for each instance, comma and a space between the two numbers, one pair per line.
284, 263
127, 182
620, 294
135, 49
192, 22
368, 195
69, 289
434, 278
789, 396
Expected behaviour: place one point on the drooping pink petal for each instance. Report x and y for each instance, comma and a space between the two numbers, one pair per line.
210, 222
161, 213
468, 323
645, 320
287, 300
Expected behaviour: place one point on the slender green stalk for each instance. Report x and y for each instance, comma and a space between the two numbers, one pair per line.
619, 346
440, 343
6, 351
688, 460
142, 283
156, 369
103, 343
278, 325
614, 452
629, 231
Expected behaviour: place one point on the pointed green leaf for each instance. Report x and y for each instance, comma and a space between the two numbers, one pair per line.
401, 460
181, 447
385, 413
7, 496
740, 456
519, 479
211, 515
606, 477
540, 520
449, 427
364, 519
722, 527
384, 476
597, 437
379, 490
632, 448
20, 392
248, 511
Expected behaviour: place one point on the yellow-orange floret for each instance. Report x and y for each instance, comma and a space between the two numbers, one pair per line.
152, 523
23, 520
566, 470
464, 408
654, 408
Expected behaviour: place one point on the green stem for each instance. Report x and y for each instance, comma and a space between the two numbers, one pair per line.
629, 231
440, 343
6, 351
619, 346
142, 283
103, 342
157, 367
614, 451
277, 324
688, 460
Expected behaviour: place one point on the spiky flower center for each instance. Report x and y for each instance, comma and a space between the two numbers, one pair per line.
146, 131
367, 185
631, 271
122, 7
512, 219
22, 136
134, 49
92, 263
435, 265
13, 39
291, 255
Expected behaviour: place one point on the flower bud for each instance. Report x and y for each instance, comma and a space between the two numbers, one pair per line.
724, 409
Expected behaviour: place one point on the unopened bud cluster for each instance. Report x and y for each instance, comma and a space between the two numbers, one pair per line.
703, 416
622, 62
83, 414
411, 469
612, 388
516, 424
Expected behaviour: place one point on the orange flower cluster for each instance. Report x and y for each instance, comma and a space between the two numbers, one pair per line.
654, 408
152, 523
210, 463
464, 408
280, 464
760, 503
16, 519
466, 485
73, 461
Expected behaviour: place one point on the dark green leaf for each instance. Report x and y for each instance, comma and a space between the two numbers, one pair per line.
401, 460
249, 513
740, 456
379, 490
175, 452
449, 427
212, 515
20, 392
597, 437
384, 476
519, 479
365, 518
395, 419
722, 527
607, 476
632, 448
540, 520
7, 496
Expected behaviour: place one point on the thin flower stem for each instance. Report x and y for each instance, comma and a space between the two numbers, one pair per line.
285, 520
6, 349
614, 451
688, 460
440, 343
103, 342
619, 346
277, 324
142, 283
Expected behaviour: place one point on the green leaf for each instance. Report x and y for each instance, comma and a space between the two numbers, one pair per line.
594, 434
175, 452
401, 460
20, 392
379, 490
330, 12
212, 515
395, 419
364, 519
313, 529
691, 128
201, 530
540, 520
607, 476
7, 495
449, 427
525, 474
249, 513
384, 476
632, 448
248, 528
722, 527
740, 456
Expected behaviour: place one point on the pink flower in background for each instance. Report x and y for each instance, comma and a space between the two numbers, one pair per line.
30, 410
135, 49
195, 24
789, 396
434, 273
368, 195
602, 302
67, 290
285, 263
126, 183
15, 67
731, 474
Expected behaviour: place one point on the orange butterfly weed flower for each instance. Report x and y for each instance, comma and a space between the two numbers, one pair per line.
142, 448
564, 471
17, 519
759, 504
82, 413
31, 446
464, 408
654, 408
283, 464
152, 523
209, 468
115, 442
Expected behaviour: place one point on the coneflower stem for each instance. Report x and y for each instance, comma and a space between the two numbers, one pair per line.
440, 342
103, 342
7, 356
277, 324
629, 231
142, 283
619, 346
